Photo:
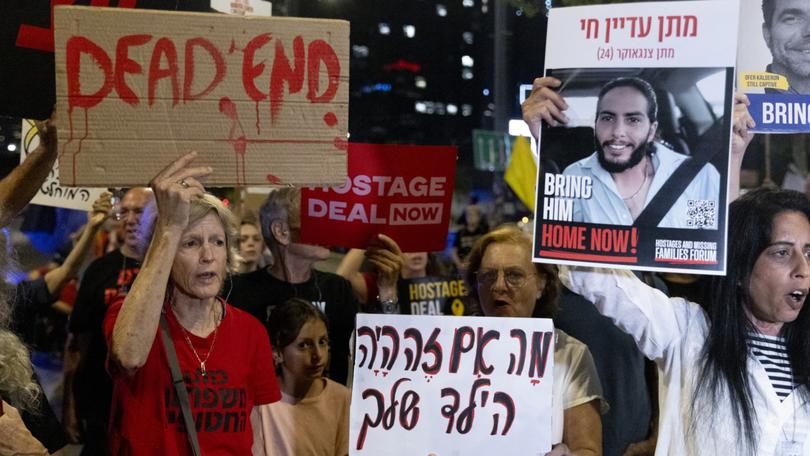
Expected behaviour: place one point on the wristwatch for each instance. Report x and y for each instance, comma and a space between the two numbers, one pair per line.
388, 306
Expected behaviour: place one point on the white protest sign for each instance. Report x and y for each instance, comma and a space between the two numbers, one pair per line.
50, 192
460, 385
654, 199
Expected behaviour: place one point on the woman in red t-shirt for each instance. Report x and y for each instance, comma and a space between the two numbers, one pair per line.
224, 354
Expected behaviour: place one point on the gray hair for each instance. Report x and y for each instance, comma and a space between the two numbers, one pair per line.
16, 373
282, 205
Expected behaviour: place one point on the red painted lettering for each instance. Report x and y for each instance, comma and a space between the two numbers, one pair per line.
219, 66
164, 47
124, 65
250, 71
75, 47
317, 52
282, 71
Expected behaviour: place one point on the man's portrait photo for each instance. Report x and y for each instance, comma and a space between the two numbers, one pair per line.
648, 141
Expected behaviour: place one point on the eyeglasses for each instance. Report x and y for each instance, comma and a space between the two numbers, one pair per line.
514, 277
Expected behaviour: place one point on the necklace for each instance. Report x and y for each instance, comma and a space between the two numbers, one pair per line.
188, 341
643, 183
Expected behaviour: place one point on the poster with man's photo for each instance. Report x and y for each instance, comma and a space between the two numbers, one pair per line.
773, 61
635, 174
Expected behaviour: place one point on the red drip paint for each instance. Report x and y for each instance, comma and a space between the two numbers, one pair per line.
275, 180
79, 149
236, 137
633, 240
535, 381
232, 49
341, 143
70, 134
258, 121
330, 119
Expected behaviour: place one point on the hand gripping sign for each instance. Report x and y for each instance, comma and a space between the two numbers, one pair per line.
404, 192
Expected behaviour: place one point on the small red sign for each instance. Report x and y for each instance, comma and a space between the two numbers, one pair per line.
404, 192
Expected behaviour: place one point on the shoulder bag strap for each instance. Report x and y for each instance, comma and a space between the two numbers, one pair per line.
179, 386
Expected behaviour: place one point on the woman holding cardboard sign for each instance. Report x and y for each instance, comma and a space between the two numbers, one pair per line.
181, 357
501, 273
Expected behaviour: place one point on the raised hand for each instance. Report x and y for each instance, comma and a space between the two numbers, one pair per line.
544, 104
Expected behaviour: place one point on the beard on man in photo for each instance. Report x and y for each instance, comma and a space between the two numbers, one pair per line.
635, 158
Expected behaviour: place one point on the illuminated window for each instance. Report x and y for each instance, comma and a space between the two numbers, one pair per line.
441, 10
384, 28
409, 30
359, 50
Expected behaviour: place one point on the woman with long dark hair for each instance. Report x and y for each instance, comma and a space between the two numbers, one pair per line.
735, 379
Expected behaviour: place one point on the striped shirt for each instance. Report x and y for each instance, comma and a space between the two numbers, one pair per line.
772, 354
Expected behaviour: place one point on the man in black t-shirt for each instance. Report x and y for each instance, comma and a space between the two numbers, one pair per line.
292, 275
88, 388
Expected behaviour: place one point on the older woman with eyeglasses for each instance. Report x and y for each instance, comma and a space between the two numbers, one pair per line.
501, 274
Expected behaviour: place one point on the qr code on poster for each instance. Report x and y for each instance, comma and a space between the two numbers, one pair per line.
701, 213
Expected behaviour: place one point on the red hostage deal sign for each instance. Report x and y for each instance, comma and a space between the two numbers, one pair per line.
402, 191
263, 100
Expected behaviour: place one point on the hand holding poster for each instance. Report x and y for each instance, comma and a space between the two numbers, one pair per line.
50, 192
404, 192
262, 100
452, 386
635, 176
774, 67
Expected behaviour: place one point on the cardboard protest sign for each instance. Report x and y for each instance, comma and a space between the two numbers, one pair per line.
773, 64
433, 296
404, 192
637, 177
263, 100
27, 86
465, 385
50, 192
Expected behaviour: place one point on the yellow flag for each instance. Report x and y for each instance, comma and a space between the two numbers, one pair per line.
521, 172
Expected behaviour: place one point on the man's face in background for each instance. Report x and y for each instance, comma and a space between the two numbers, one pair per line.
788, 37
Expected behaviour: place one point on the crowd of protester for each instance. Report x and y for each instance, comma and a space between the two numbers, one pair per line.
194, 304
